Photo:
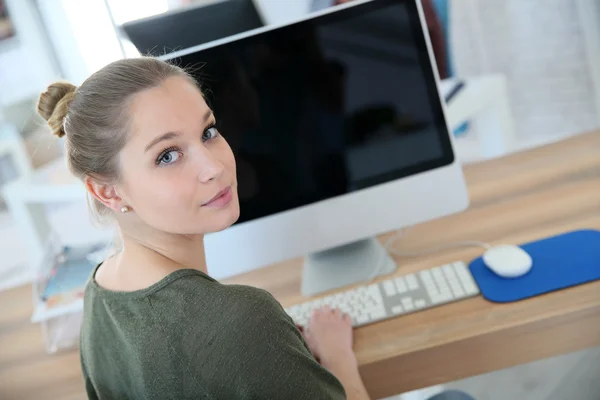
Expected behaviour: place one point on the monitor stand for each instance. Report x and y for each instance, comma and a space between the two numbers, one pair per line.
345, 265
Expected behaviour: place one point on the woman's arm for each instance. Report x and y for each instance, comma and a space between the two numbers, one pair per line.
264, 356
330, 337
345, 368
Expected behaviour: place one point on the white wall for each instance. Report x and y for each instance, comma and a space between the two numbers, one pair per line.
589, 15
129, 10
281, 11
26, 62
64, 45
82, 35
546, 53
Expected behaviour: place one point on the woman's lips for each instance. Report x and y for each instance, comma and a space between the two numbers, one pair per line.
221, 199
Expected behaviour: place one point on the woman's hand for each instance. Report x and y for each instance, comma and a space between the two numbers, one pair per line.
329, 336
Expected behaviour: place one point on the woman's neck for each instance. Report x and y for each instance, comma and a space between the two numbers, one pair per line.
145, 261
174, 251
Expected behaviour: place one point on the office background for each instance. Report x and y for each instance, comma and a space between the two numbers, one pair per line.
547, 57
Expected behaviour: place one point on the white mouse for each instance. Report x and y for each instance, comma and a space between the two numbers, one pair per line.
508, 261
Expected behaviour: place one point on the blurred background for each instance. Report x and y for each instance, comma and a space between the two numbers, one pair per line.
521, 73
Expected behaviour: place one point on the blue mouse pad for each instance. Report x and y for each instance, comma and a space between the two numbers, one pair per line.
558, 262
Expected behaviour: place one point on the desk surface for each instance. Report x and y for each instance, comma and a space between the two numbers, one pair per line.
514, 199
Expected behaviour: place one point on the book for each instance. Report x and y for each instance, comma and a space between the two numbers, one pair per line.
61, 289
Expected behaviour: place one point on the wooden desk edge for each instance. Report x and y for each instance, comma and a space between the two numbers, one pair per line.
483, 353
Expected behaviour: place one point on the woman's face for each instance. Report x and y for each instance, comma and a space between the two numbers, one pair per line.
177, 172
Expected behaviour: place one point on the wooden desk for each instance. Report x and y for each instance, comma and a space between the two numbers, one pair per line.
514, 199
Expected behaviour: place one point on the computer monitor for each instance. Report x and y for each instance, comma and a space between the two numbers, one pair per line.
191, 26
339, 134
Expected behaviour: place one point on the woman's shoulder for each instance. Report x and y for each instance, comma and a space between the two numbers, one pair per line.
194, 297
245, 308
176, 283
250, 295
247, 305
185, 301
197, 287
189, 286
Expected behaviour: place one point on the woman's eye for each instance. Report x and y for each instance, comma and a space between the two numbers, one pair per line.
170, 157
210, 133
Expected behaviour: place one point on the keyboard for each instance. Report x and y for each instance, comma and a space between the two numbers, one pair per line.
395, 296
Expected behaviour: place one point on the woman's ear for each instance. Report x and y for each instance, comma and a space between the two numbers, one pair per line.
103, 192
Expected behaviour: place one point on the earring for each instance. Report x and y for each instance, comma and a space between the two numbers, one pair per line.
125, 209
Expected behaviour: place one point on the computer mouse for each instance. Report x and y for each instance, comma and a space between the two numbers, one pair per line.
508, 261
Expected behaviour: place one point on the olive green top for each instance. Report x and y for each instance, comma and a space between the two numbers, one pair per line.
191, 337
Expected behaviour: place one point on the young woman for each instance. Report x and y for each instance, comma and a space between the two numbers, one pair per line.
156, 326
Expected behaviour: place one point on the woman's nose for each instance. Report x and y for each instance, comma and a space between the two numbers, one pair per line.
210, 168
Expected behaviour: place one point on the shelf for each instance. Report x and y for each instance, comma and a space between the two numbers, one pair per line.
41, 313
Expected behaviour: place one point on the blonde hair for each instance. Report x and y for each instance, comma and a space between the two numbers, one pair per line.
94, 118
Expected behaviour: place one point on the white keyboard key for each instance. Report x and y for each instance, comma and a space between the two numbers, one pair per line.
389, 288
394, 297
427, 279
426, 276
411, 281
431, 289
457, 290
371, 303
375, 293
397, 310
440, 280
373, 289
447, 295
441, 283
377, 314
400, 285
430, 286
362, 297
466, 278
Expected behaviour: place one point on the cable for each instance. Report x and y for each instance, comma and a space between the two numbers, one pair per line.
467, 243
377, 268
382, 256
400, 233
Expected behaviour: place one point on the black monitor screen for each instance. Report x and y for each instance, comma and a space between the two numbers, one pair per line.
191, 26
325, 107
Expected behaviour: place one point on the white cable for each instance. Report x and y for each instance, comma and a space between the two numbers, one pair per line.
399, 233
381, 259
467, 243
377, 266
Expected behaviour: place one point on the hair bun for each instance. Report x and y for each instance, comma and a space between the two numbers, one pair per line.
53, 105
